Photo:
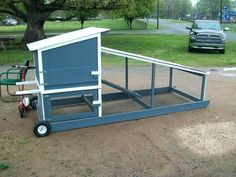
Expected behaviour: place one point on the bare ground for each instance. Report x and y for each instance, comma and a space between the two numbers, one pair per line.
195, 143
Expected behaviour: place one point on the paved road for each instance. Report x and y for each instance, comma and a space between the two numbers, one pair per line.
168, 27
231, 36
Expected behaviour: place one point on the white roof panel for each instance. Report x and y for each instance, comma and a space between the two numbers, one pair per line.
65, 38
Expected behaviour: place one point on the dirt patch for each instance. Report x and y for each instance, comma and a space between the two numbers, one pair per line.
195, 143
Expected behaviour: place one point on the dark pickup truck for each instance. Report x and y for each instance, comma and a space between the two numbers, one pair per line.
207, 34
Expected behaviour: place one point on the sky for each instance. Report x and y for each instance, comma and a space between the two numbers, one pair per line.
194, 2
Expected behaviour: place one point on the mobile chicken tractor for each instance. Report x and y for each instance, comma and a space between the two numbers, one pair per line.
68, 72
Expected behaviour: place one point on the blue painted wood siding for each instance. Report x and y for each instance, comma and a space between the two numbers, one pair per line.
71, 65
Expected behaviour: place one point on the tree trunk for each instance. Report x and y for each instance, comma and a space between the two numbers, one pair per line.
130, 22
36, 17
34, 31
146, 26
82, 23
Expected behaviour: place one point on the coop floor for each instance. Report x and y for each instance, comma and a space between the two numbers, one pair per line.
120, 106
128, 105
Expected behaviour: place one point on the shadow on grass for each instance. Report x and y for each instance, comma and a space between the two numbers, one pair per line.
205, 51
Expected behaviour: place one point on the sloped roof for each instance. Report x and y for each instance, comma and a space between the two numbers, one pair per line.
65, 38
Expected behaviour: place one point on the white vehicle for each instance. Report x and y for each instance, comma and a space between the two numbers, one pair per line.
11, 22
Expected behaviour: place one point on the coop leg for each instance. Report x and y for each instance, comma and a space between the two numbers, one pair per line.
153, 85
203, 91
171, 79
126, 74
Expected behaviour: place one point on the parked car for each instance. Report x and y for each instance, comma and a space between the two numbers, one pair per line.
10, 22
207, 34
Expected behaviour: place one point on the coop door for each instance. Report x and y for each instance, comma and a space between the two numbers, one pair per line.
71, 65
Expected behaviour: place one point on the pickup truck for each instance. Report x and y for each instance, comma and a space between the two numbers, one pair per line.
207, 34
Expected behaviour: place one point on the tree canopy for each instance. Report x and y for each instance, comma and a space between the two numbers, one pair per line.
136, 8
175, 8
32, 12
36, 12
211, 9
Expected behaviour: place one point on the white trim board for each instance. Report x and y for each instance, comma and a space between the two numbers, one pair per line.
27, 83
64, 38
151, 60
27, 92
70, 42
73, 89
100, 75
58, 90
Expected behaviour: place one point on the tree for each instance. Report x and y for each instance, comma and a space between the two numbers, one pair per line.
211, 9
32, 12
85, 9
136, 8
175, 8
130, 12
36, 12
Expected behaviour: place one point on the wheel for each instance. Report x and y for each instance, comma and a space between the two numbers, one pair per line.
33, 102
42, 129
21, 111
222, 51
190, 49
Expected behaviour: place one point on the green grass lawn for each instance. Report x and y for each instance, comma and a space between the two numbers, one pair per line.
232, 27
14, 56
166, 47
58, 27
171, 48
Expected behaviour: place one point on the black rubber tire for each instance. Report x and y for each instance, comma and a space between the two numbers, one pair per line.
33, 102
21, 112
222, 51
42, 129
190, 49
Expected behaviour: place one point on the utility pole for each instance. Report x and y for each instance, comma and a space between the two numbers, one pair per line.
158, 14
221, 8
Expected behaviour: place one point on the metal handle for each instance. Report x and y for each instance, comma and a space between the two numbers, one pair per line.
95, 73
97, 102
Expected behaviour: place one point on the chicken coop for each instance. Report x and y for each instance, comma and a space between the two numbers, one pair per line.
68, 71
